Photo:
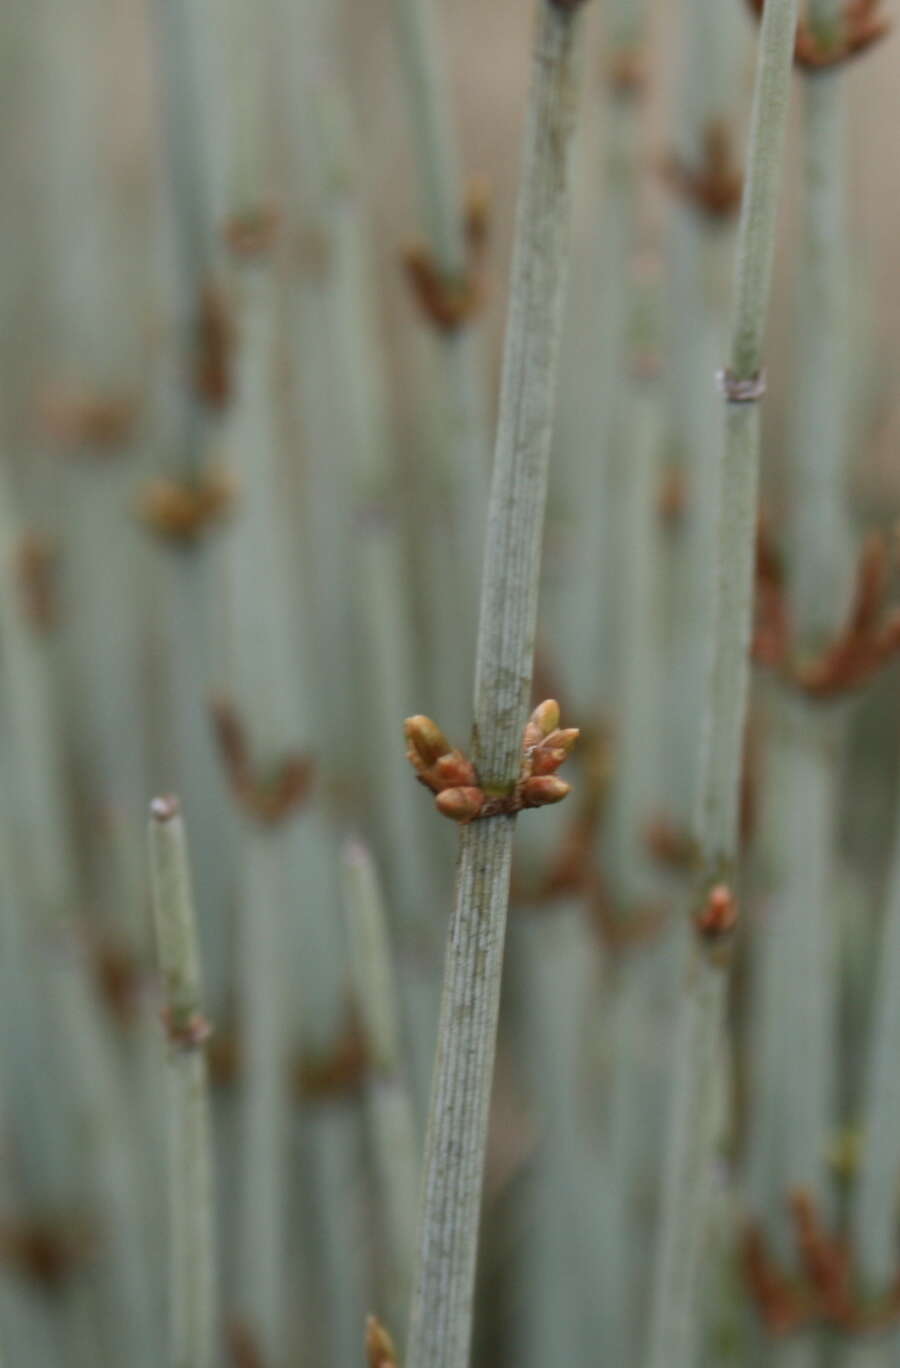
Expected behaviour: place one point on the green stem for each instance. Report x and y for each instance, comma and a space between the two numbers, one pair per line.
462, 435
191, 1258
699, 1031
441, 1313
391, 1119
699, 271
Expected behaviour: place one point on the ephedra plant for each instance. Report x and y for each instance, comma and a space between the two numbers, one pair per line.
292, 458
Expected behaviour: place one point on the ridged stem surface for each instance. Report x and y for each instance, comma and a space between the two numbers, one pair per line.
441, 1313
191, 1258
461, 413
700, 1025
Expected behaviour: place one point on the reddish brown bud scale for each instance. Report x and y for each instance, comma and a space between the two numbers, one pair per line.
461, 804
454, 770
544, 789
547, 760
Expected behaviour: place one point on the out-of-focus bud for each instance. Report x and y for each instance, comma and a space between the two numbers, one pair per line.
380, 1351
460, 804
544, 789
427, 743
454, 770
547, 760
719, 914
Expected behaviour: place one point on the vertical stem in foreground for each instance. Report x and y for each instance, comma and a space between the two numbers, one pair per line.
700, 1026
441, 1313
190, 1170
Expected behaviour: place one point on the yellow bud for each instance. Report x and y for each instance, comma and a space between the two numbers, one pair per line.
427, 742
546, 716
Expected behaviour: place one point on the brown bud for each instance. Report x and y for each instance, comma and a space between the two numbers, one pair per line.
427, 743
547, 760
460, 804
380, 1351
454, 770
719, 914
544, 789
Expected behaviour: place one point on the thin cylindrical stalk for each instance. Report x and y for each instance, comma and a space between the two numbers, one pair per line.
796, 1103
185, 423
462, 439
701, 1015
441, 1313
590, 623
699, 268
191, 1285
874, 1211
391, 1118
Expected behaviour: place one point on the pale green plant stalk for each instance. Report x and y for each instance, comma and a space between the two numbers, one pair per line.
89, 1083
185, 432
701, 249
799, 1097
336, 333
262, 676
191, 1259
637, 537
590, 625
90, 349
699, 1031
873, 1216
441, 1311
640, 979
461, 435
391, 1120
263, 670
557, 1317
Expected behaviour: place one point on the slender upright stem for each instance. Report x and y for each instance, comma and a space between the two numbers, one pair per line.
591, 621
699, 270
190, 1170
797, 1100
441, 1314
391, 1119
462, 433
700, 1026
874, 1211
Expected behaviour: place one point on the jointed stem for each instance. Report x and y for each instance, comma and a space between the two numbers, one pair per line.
441, 1314
699, 1030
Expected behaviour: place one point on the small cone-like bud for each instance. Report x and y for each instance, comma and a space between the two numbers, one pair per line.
427, 742
720, 913
544, 789
563, 740
460, 804
380, 1351
546, 717
547, 760
454, 770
